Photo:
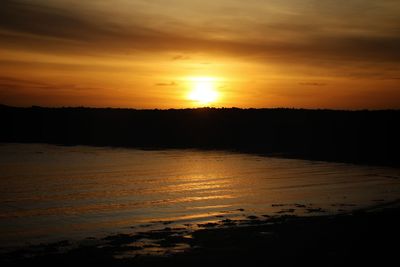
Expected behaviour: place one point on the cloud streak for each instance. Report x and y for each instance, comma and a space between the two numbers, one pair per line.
12, 84
166, 84
312, 84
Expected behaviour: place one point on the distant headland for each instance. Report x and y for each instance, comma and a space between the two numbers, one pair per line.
365, 137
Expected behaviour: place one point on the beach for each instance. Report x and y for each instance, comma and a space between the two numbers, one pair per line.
359, 237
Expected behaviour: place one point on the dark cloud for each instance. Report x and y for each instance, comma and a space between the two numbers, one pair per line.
61, 66
312, 84
55, 28
391, 78
36, 19
166, 84
11, 84
180, 57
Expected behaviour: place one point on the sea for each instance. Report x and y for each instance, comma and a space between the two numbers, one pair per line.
50, 193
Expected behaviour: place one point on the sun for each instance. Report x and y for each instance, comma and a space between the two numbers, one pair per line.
203, 90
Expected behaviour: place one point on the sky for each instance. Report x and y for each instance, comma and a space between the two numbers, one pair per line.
339, 54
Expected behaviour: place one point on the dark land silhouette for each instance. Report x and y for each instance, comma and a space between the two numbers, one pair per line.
367, 137
363, 237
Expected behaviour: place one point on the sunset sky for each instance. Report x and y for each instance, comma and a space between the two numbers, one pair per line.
165, 53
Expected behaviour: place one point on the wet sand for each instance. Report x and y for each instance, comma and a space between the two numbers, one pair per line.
357, 237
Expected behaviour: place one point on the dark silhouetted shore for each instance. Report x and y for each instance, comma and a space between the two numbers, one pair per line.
361, 237
367, 137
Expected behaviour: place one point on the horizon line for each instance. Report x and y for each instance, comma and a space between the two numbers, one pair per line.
198, 108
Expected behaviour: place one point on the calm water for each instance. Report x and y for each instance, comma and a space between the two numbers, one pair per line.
50, 193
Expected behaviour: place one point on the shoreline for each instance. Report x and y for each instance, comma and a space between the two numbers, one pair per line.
248, 152
356, 236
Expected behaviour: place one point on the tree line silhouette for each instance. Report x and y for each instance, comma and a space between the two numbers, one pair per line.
370, 137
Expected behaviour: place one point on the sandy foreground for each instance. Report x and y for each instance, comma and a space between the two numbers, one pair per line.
362, 236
